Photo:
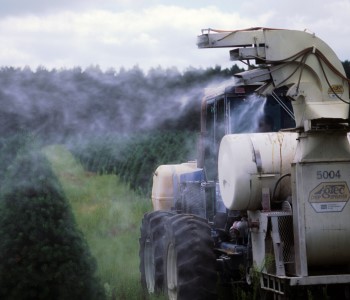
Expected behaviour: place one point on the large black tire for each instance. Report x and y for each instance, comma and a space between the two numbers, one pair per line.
189, 259
151, 251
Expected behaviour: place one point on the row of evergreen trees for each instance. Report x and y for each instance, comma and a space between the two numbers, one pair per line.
135, 158
42, 253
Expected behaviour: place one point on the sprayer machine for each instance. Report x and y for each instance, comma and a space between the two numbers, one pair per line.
266, 201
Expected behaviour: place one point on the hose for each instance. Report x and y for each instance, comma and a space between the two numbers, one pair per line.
276, 185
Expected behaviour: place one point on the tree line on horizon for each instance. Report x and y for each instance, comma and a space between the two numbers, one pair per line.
58, 104
44, 255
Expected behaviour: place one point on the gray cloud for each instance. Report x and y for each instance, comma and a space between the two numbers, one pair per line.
116, 33
19, 7
42, 7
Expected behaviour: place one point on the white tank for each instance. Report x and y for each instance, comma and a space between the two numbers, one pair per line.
163, 183
249, 162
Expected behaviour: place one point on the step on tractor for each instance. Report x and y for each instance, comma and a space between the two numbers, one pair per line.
264, 208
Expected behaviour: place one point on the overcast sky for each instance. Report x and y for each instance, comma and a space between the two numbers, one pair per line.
151, 33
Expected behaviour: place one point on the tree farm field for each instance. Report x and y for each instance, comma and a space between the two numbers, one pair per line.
108, 214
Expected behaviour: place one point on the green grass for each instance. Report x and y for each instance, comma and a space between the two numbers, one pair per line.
109, 215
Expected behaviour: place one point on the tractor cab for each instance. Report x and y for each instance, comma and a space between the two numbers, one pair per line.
238, 109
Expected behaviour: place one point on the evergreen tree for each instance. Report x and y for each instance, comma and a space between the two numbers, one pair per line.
346, 65
42, 253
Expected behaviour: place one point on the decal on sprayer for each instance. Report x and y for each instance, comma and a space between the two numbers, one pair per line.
334, 90
329, 197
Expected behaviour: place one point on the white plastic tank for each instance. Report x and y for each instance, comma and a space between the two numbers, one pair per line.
250, 162
163, 183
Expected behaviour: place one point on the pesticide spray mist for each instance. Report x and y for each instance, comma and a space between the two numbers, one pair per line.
58, 104
249, 116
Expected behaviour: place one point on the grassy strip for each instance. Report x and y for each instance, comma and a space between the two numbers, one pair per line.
109, 214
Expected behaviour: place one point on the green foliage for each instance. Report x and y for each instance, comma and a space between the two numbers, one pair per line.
42, 254
9, 148
135, 158
346, 65
146, 153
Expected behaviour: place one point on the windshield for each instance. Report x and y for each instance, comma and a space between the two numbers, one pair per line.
258, 114
230, 114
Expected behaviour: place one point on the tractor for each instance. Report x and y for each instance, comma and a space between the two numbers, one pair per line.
264, 205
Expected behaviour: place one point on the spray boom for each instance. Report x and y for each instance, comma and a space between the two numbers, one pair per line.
300, 61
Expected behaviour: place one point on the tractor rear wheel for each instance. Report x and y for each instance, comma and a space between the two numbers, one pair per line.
189, 259
151, 251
